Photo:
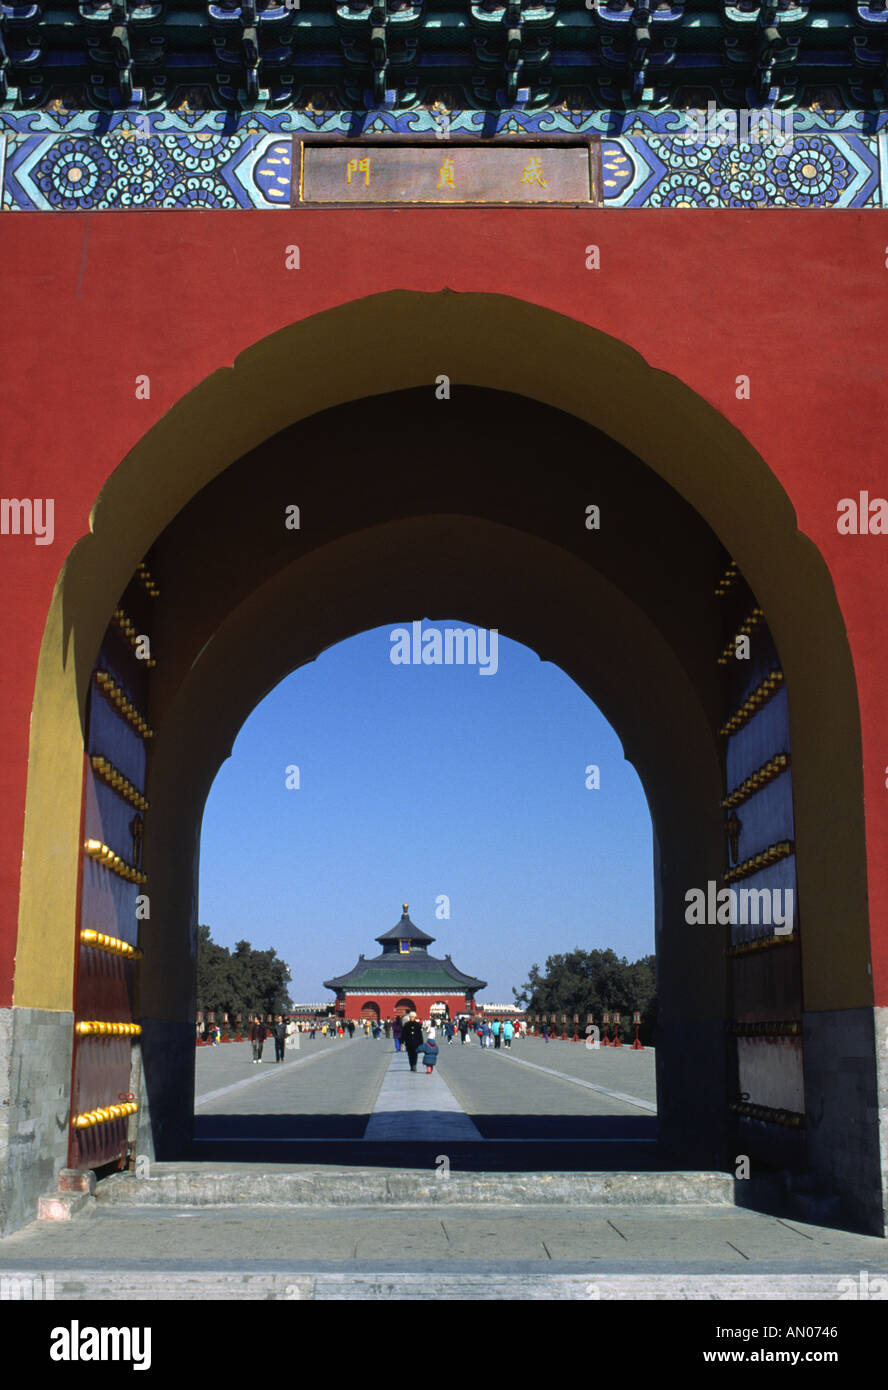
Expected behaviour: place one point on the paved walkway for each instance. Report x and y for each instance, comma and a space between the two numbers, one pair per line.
648, 1105
352, 1108
270, 1073
418, 1105
327, 1093
520, 1251
343, 1092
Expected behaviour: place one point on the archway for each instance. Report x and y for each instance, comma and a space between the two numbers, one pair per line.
452, 541
370, 1011
403, 1006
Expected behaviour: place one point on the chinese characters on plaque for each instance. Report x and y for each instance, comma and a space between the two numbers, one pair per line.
428, 174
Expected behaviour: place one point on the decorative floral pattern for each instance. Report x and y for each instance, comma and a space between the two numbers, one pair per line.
201, 150
144, 174
804, 171
813, 174
74, 174
684, 191
191, 157
200, 192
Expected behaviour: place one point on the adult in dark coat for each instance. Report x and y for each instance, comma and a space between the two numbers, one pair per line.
258, 1034
397, 1027
411, 1032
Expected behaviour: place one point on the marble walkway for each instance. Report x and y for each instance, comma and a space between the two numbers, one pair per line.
418, 1105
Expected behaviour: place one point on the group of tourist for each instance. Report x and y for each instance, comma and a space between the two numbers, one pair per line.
496, 1034
337, 1028
406, 1031
281, 1031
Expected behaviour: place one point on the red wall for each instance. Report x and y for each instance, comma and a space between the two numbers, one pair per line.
795, 300
354, 1003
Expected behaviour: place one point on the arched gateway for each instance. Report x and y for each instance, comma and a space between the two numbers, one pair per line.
628, 545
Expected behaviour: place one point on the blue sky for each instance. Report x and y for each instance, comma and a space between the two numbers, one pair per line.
418, 781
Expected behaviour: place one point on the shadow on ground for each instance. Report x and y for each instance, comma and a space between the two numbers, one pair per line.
513, 1143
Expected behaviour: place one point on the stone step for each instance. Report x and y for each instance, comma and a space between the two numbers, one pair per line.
62, 1206
368, 1187
114, 1284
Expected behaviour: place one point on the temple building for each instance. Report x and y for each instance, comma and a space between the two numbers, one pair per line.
403, 977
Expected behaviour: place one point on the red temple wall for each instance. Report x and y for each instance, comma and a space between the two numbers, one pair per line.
796, 300
354, 1003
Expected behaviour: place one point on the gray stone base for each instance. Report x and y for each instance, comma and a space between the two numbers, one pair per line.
846, 1104
433, 1284
373, 1187
166, 1112
35, 1096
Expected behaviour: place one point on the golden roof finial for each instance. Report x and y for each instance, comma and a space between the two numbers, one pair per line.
404, 905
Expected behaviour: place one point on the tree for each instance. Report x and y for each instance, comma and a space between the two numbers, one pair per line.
247, 981
588, 982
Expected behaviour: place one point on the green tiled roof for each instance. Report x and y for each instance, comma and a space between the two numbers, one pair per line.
414, 969
388, 979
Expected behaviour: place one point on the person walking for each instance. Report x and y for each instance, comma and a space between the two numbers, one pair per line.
463, 1030
411, 1034
486, 1035
495, 1031
430, 1049
258, 1034
397, 1027
508, 1033
449, 1030
279, 1033
292, 1034
387, 1028
351, 1028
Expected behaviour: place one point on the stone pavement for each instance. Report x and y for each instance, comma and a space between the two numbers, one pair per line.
625, 1252
327, 1091
649, 1105
554, 1091
418, 1105
304, 1202
547, 1093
